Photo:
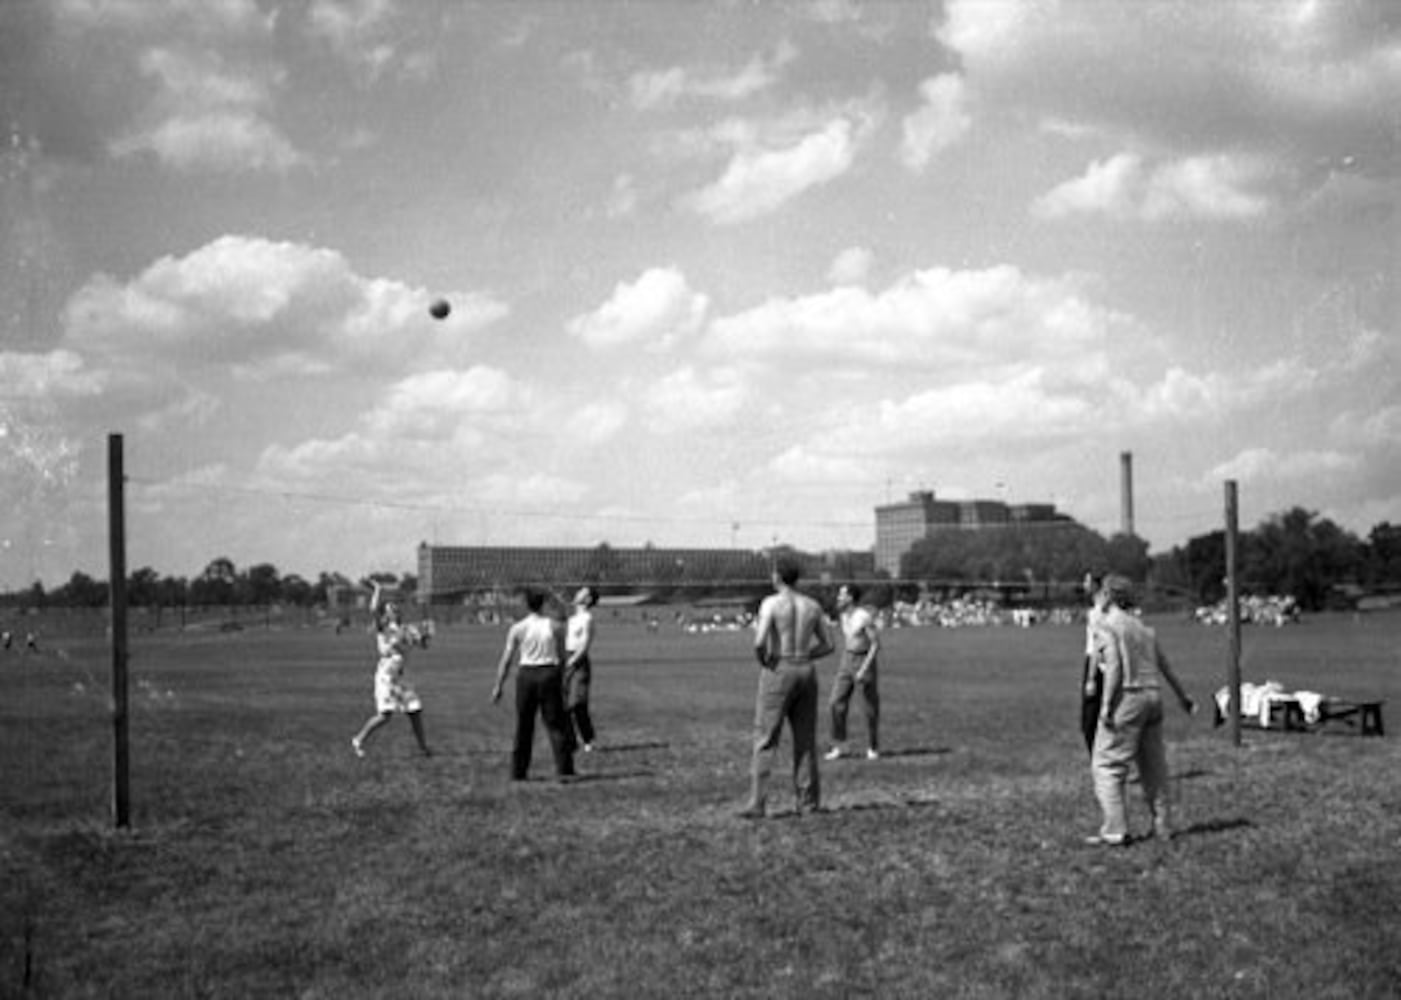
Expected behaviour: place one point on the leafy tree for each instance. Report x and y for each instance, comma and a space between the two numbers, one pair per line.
216, 584
263, 585
1297, 553
1013, 553
1383, 555
82, 591
296, 590
143, 588
1128, 555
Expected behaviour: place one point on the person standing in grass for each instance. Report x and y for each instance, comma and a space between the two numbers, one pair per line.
1131, 716
1092, 674
856, 673
790, 635
393, 693
578, 668
537, 640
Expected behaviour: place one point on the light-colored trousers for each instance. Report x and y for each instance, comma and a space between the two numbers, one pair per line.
787, 692
1136, 738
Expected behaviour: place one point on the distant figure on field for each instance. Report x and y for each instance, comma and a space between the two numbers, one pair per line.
538, 641
857, 672
578, 668
1092, 672
1131, 716
789, 635
393, 693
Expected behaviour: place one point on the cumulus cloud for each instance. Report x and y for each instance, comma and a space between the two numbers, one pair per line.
1266, 464
433, 405
851, 266
765, 174
219, 20
360, 32
1378, 429
941, 121
691, 400
1125, 187
599, 421
47, 375
209, 114
264, 307
656, 310
1322, 74
662, 88
952, 322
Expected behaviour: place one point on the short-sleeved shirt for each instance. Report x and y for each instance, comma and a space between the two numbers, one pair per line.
1120, 637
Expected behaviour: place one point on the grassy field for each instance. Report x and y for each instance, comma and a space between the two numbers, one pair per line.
265, 860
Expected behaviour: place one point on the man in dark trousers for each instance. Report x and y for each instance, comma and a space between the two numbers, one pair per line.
538, 641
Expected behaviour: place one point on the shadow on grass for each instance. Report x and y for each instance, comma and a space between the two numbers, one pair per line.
1214, 826
625, 747
852, 807
595, 777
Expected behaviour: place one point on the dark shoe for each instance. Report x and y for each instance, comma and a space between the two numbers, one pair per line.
751, 812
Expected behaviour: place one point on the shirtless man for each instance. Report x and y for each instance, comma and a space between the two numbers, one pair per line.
789, 636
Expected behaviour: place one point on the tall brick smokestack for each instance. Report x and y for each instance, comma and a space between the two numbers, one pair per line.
1126, 493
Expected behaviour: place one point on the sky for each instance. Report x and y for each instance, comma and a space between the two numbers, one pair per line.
722, 274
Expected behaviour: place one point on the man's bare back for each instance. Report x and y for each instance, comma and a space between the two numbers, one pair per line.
791, 627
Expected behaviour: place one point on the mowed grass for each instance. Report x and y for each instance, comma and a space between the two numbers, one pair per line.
265, 860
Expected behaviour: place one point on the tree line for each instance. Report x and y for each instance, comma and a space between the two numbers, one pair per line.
221, 583
1293, 553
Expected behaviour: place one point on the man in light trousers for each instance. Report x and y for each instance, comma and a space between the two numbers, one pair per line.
1131, 717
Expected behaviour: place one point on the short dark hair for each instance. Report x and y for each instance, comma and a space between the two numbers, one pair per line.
1119, 588
590, 595
854, 589
788, 570
534, 599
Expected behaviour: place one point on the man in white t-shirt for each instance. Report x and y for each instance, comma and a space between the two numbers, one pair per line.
538, 641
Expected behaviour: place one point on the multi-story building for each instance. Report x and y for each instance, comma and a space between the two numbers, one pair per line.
899, 525
447, 572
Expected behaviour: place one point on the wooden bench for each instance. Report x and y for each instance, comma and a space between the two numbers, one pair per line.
1366, 715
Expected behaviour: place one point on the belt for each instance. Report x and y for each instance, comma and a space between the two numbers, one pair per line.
859, 652
537, 665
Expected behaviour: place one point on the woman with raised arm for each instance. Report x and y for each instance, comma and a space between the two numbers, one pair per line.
393, 693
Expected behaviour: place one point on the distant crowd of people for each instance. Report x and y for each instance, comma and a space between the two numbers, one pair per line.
1254, 610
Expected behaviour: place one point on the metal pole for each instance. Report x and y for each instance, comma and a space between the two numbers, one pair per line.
116, 536
1233, 604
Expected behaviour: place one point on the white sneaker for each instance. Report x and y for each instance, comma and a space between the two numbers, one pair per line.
836, 753
873, 754
357, 746
588, 748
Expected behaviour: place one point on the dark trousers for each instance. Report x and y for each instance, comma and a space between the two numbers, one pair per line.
576, 699
1090, 703
840, 703
539, 689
